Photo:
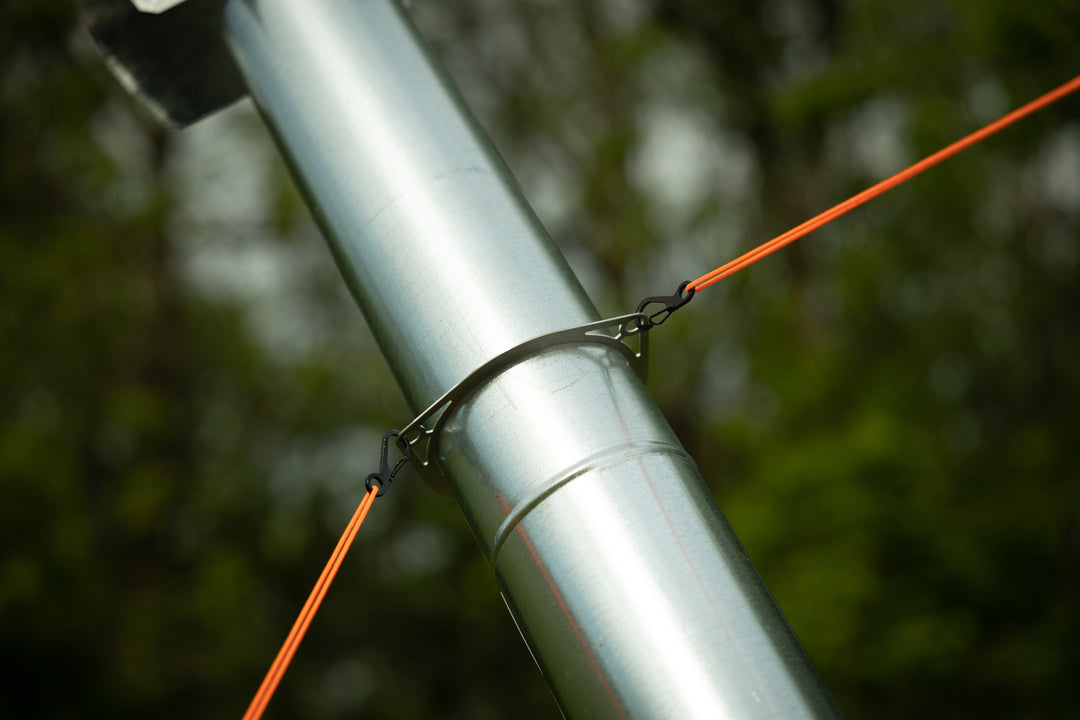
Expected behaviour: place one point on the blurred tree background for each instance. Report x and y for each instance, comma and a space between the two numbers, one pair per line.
886, 411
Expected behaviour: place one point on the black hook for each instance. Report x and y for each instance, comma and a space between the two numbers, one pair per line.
671, 303
386, 475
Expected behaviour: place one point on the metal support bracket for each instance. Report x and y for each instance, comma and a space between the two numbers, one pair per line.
422, 434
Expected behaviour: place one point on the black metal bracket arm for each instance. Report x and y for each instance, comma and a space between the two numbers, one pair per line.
385, 476
671, 303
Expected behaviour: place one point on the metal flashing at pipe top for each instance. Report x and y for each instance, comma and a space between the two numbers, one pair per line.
168, 53
629, 586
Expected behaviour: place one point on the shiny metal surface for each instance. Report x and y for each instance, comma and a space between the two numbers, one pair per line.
633, 593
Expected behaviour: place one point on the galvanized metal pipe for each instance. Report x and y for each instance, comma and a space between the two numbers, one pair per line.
626, 581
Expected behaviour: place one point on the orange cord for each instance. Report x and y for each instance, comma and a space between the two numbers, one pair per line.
853, 202
292, 642
299, 628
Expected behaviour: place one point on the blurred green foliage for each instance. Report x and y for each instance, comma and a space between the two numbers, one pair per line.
886, 410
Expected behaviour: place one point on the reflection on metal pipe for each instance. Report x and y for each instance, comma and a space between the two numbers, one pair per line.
628, 584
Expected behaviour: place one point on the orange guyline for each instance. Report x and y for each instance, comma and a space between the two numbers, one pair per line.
887, 184
292, 642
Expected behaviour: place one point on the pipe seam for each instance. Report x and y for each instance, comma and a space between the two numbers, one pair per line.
606, 458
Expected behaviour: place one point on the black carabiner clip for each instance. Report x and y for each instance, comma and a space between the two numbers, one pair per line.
671, 303
386, 475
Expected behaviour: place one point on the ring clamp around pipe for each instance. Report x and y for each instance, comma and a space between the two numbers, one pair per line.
422, 434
